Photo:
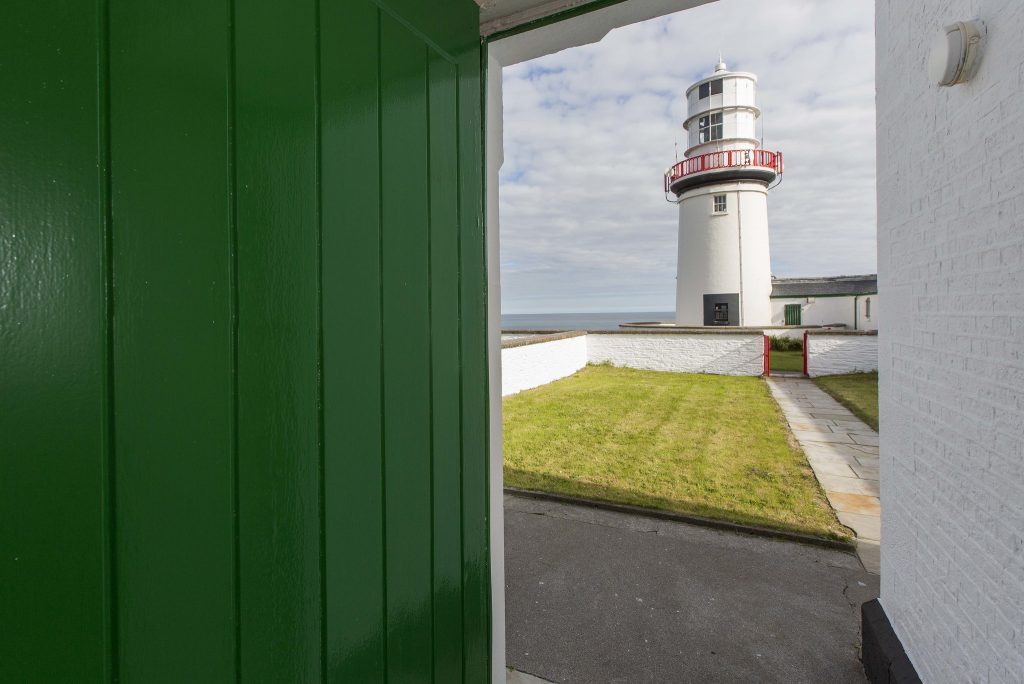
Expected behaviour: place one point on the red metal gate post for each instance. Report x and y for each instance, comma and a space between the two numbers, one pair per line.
767, 357
805, 352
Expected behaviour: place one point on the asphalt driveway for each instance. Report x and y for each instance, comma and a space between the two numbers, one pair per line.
596, 596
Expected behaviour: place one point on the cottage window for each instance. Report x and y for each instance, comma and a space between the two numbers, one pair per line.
867, 308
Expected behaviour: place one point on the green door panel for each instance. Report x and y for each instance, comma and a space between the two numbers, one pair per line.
352, 342
244, 388
174, 345
406, 330
792, 312
443, 143
476, 586
55, 450
278, 357
400, 117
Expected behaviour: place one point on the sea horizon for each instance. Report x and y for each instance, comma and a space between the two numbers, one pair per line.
610, 320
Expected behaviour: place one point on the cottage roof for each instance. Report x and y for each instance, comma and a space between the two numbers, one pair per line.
829, 286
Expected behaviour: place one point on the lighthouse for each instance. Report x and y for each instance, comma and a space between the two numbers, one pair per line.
723, 275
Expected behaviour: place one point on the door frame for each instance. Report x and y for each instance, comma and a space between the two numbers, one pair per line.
508, 45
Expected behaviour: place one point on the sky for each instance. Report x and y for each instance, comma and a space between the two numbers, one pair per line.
589, 132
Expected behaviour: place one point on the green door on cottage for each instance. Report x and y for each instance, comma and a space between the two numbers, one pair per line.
244, 398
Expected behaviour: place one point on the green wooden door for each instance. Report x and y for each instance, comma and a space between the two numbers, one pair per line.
244, 391
792, 314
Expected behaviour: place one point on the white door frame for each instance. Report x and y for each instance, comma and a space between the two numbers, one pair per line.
504, 50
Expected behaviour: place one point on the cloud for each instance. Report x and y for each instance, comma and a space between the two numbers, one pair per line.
589, 131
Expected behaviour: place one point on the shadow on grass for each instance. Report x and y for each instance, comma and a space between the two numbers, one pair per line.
523, 479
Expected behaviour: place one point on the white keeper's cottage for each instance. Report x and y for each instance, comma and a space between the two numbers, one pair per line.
850, 301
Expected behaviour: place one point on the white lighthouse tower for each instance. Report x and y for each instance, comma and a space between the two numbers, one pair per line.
724, 268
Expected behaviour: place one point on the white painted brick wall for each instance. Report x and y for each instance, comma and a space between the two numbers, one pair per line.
837, 354
533, 365
951, 266
719, 354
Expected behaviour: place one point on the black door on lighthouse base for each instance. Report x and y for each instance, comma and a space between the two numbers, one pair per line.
722, 309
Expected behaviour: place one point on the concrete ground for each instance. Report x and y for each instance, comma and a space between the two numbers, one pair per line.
595, 596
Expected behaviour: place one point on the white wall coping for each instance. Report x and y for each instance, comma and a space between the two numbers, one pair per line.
537, 337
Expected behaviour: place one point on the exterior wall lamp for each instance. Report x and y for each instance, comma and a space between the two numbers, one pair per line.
955, 53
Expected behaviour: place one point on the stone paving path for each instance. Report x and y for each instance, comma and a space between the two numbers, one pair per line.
843, 452
517, 677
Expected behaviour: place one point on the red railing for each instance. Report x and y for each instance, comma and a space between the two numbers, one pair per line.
723, 160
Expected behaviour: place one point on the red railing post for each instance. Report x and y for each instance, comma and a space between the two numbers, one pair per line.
767, 356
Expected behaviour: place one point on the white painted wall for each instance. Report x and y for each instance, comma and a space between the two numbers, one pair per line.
720, 354
951, 376
533, 365
838, 354
494, 157
712, 247
831, 310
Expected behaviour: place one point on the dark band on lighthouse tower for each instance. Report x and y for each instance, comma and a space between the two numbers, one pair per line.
724, 266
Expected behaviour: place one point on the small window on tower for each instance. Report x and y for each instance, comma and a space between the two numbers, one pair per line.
709, 88
721, 206
709, 127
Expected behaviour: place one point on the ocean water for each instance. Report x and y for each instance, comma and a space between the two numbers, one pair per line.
580, 321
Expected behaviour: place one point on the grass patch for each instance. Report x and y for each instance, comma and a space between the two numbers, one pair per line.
787, 361
857, 392
707, 445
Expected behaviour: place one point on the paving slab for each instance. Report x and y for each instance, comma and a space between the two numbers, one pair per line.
601, 597
823, 437
843, 453
864, 504
868, 472
848, 485
830, 467
832, 455
517, 677
837, 413
867, 524
866, 438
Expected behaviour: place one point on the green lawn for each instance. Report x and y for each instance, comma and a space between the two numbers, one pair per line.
787, 361
708, 445
857, 392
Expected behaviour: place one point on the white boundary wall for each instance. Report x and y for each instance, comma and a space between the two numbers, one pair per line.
718, 354
532, 365
838, 354
526, 364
